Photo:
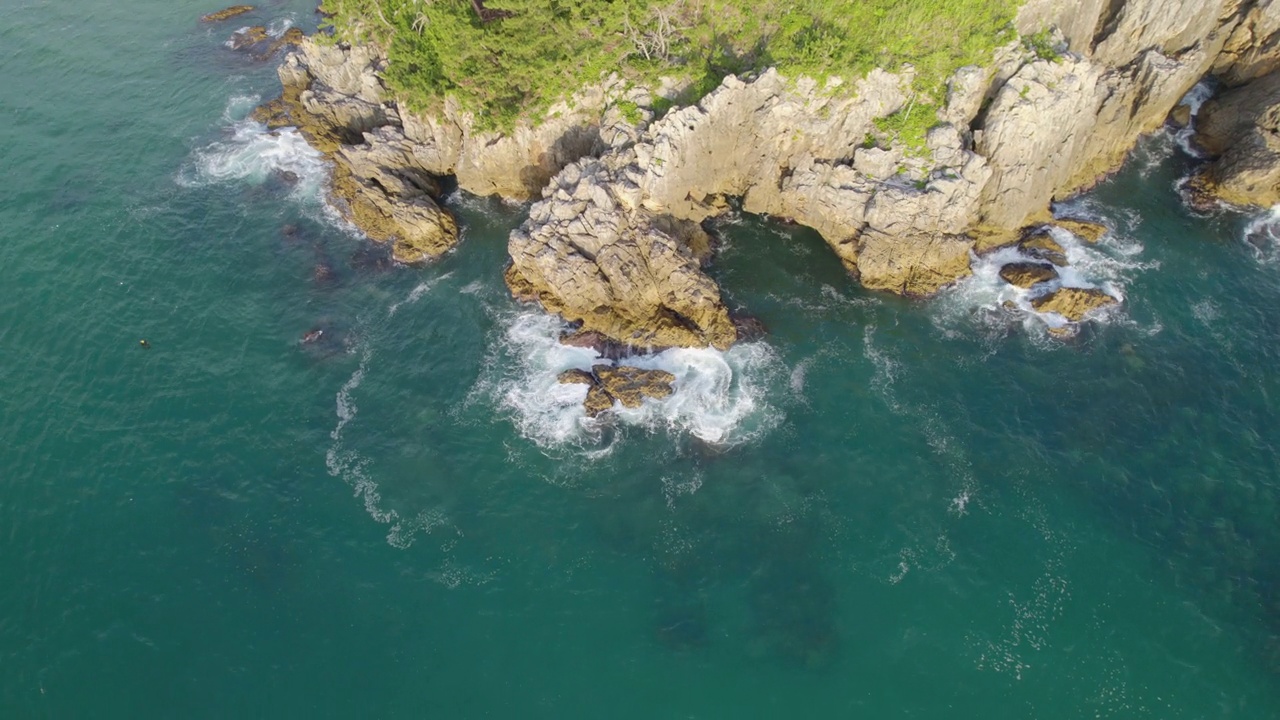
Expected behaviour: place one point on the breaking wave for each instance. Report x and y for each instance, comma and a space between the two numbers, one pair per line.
993, 304
719, 398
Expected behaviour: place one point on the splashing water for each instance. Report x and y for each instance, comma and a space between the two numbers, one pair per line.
720, 397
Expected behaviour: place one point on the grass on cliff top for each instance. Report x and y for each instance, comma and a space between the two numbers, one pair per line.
530, 53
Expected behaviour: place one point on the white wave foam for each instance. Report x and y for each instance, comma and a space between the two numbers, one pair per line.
1194, 98
1262, 234
719, 396
254, 154
986, 299
275, 30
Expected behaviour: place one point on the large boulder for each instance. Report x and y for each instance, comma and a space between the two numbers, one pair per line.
1026, 274
1072, 303
621, 383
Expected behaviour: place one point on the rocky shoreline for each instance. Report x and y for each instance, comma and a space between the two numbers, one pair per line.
613, 242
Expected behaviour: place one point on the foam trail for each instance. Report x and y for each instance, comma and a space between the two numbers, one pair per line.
719, 396
422, 289
353, 468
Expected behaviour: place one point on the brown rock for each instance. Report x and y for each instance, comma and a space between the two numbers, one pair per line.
1086, 230
1242, 128
1181, 116
226, 13
248, 37
417, 228
1040, 244
629, 275
1026, 274
604, 346
630, 385
915, 266
575, 376
1072, 303
598, 401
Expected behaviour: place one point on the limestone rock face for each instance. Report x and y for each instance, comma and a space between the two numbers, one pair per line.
1026, 274
334, 98
1242, 127
614, 244
590, 253
1253, 48
1072, 303
915, 266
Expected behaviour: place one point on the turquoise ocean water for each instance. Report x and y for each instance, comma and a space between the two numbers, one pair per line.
886, 508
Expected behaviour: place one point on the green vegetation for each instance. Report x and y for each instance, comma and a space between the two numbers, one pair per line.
630, 112
1041, 44
526, 54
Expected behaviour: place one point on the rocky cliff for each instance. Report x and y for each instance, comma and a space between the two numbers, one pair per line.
613, 242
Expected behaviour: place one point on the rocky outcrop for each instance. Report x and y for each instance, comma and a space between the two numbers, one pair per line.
260, 43
1241, 129
624, 384
226, 13
1026, 274
333, 96
591, 254
613, 243
1072, 303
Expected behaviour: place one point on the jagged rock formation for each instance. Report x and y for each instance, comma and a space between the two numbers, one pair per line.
226, 13
612, 244
333, 96
622, 383
1072, 303
1026, 274
1241, 129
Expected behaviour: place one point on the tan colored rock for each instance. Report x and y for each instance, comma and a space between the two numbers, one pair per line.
1242, 127
416, 227
631, 385
1026, 274
1040, 244
575, 376
622, 383
913, 266
226, 13
1087, 230
1072, 303
249, 36
632, 276
1252, 50
598, 401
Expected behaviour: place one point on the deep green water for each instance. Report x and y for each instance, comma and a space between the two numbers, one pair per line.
886, 509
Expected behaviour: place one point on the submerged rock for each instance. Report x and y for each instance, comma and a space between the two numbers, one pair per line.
248, 37
226, 13
1026, 274
622, 383
1072, 303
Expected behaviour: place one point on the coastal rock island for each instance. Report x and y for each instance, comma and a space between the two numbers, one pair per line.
908, 161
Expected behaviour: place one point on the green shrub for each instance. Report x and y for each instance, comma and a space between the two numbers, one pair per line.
516, 66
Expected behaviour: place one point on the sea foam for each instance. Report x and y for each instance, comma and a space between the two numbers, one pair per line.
984, 298
719, 397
